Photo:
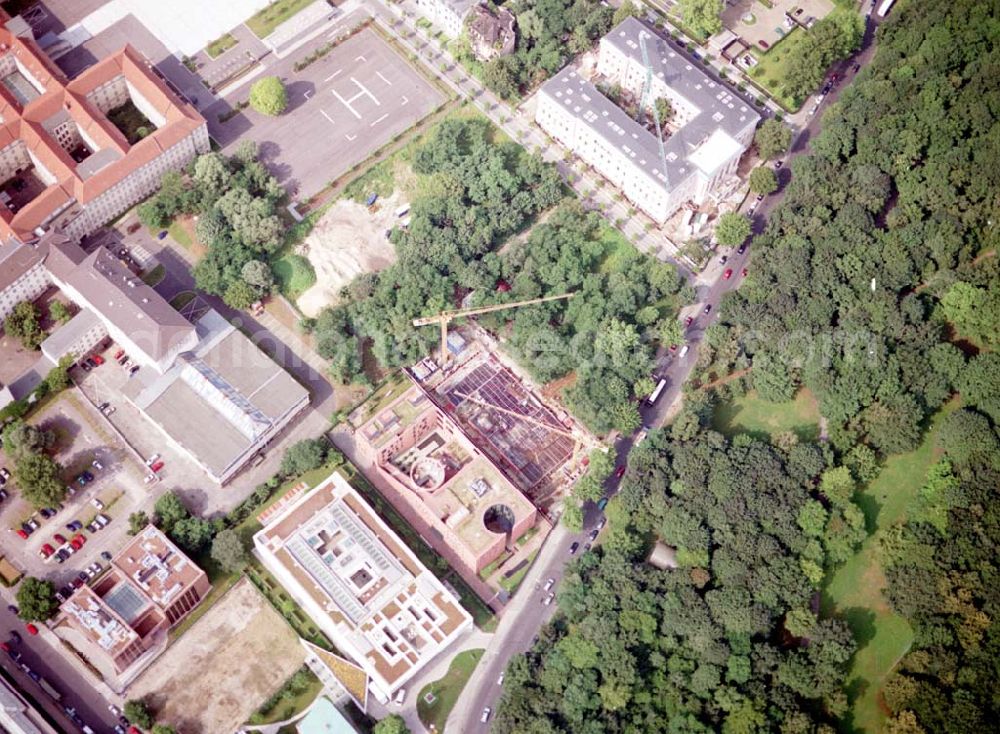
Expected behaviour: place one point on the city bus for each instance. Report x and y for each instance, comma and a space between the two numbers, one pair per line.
657, 391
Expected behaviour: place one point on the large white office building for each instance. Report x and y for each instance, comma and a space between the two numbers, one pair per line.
711, 128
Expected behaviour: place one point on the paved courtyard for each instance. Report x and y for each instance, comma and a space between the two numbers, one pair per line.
755, 22
340, 110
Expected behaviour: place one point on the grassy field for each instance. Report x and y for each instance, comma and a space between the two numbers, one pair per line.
446, 690
510, 584
263, 23
294, 275
855, 591
220, 45
772, 67
293, 704
750, 414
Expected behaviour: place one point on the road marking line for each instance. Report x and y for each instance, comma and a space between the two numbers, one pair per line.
364, 90
307, 93
379, 120
330, 119
405, 101
338, 71
350, 137
360, 58
345, 103
379, 75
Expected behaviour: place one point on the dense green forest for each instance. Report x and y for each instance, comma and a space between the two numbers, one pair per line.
729, 640
874, 285
943, 577
475, 194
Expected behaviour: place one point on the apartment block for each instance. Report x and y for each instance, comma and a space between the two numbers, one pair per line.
709, 132
76, 153
448, 15
378, 604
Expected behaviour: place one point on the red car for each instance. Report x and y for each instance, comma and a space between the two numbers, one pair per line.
688, 321
673, 347
46, 551
728, 274
744, 272
61, 540
78, 538
99, 359
620, 471
22, 534
119, 354
4, 646
157, 466
32, 629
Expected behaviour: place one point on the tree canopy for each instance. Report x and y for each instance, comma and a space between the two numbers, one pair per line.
268, 96
24, 323
772, 138
36, 600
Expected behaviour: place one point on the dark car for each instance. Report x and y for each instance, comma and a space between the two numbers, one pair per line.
742, 248
857, 68
46, 512
15, 636
574, 548
106, 556
778, 164
13, 609
593, 534
26, 528
620, 471
708, 308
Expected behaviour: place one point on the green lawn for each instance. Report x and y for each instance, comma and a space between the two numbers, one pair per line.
180, 235
154, 276
446, 690
855, 590
220, 45
294, 275
750, 414
772, 66
182, 299
263, 23
286, 708
510, 584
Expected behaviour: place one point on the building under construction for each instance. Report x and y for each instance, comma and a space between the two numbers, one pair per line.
468, 453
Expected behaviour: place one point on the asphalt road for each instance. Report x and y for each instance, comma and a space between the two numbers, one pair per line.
526, 614
41, 658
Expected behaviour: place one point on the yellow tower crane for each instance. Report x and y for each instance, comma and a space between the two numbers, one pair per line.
446, 317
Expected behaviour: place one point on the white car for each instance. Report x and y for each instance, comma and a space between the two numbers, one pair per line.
400, 697
500, 680
549, 584
97, 503
486, 714
548, 599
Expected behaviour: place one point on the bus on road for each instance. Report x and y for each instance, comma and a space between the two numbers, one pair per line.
657, 391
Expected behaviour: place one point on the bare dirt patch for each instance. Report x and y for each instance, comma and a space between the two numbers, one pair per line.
349, 240
241, 651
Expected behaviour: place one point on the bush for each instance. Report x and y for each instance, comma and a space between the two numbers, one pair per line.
36, 600
305, 455
268, 96
138, 713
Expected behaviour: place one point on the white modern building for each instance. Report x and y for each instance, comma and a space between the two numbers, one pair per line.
356, 579
711, 128
448, 15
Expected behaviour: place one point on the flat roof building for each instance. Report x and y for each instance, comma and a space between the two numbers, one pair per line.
221, 401
359, 583
710, 129
119, 623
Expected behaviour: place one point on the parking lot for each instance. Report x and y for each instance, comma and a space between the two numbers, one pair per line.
115, 491
340, 110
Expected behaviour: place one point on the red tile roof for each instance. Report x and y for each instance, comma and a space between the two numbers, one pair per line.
24, 122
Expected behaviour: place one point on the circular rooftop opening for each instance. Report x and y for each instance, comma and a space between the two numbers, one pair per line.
427, 473
499, 519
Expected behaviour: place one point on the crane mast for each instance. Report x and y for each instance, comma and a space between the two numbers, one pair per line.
647, 99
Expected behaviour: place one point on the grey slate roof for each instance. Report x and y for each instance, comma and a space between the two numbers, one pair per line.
721, 109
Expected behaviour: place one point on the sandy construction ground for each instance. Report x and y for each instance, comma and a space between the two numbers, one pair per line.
224, 667
347, 241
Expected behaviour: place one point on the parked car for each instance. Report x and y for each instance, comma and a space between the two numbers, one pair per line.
22, 533
728, 274
33, 523
620, 471
102, 520
13, 609
602, 503
549, 584
688, 321
119, 354
133, 369
486, 714
593, 534
32, 629
97, 464
59, 539
548, 598
85, 367
723, 260
106, 556
707, 309
152, 459
97, 503
500, 679
574, 548
98, 359
157, 466
74, 526
63, 553
742, 248
46, 513
4, 473
76, 583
